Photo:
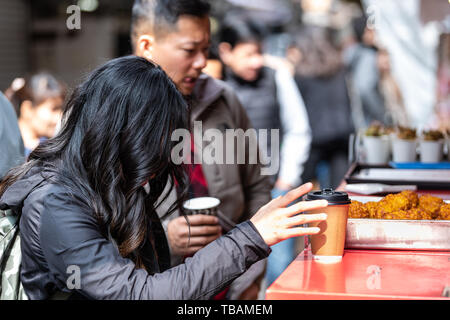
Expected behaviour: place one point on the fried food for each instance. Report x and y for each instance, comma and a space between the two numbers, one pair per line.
406, 205
412, 197
402, 201
372, 208
431, 204
358, 210
444, 212
411, 214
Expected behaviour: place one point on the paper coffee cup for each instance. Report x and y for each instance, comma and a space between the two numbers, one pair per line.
328, 245
201, 205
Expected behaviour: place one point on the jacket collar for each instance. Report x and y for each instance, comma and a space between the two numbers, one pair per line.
16, 194
206, 91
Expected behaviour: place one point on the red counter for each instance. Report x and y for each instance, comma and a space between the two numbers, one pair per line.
365, 274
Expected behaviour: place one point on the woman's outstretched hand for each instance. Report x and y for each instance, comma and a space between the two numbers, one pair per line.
277, 222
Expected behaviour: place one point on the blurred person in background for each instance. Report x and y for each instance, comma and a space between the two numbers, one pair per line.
272, 101
442, 114
360, 58
11, 145
176, 35
214, 66
38, 103
320, 76
392, 96
269, 96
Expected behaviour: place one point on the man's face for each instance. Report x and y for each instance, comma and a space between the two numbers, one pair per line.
245, 60
183, 52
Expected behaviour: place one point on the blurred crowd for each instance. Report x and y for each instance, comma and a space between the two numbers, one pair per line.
342, 77
341, 70
318, 83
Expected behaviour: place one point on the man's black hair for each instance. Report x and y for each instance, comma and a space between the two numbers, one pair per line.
240, 29
160, 16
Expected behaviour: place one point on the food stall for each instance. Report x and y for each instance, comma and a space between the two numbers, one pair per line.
385, 257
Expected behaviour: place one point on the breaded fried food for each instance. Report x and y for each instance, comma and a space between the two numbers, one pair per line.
411, 214
423, 215
404, 205
431, 204
402, 201
444, 212
357, 210
413, 198
372, 209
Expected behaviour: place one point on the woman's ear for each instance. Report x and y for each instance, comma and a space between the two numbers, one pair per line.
26, 109
225, 52
144, 47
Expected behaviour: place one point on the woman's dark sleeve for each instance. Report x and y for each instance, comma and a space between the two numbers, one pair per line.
72, 245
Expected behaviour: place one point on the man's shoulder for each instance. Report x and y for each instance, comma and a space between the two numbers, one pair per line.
209, 91
208, 86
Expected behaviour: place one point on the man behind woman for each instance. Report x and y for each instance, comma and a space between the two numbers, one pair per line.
175, 34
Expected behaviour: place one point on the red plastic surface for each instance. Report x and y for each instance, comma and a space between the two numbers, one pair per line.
365, 274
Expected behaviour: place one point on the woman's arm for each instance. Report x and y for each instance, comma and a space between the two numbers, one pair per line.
71, 242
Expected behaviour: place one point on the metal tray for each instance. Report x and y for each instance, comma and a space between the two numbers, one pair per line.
437, 179
431, 235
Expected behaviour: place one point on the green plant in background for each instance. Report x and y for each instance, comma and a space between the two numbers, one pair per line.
376, 129
432, 135
406, 133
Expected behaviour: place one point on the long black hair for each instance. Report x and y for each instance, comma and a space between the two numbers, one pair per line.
116, 136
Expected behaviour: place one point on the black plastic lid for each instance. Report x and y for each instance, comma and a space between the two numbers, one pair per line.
333, 197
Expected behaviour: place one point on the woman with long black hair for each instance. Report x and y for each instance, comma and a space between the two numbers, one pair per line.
87, 198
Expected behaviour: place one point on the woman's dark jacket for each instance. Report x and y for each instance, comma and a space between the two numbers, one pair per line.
60, 237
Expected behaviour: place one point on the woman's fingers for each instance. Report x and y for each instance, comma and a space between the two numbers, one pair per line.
304, 218
305, 206
294, 194
299, 231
